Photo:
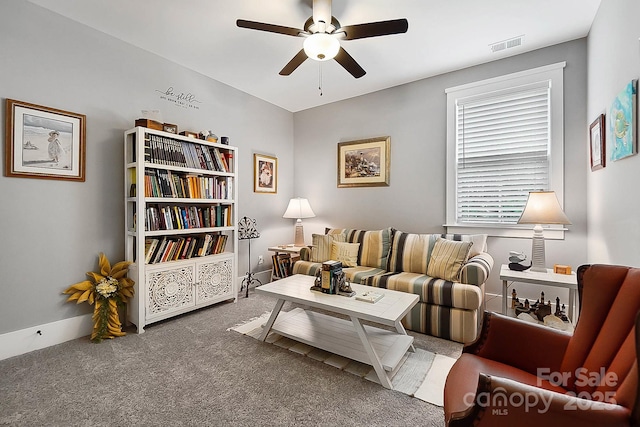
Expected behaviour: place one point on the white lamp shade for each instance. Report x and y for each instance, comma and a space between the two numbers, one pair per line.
298, 208
543, 208
321, 46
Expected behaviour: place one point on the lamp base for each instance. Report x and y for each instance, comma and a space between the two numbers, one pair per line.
538, 262
299, 234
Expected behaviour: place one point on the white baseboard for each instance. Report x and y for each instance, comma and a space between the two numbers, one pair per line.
37, 337
27, 340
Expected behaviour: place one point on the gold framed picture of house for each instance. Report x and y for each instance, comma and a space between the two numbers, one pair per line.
265, 174
43, 142
364, 163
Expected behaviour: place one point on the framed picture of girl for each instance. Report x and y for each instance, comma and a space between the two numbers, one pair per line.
265, 174
43, 142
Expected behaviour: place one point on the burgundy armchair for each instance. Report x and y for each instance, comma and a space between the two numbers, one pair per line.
523, 374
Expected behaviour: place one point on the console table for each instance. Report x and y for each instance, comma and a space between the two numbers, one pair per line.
549, 278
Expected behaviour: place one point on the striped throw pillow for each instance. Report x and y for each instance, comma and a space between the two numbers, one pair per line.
447, 259
410, 252
321, 246
374, 246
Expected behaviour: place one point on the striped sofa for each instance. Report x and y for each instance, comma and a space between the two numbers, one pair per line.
392, 259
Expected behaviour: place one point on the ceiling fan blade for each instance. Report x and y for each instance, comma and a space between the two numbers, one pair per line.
271, 28
294, 63
322, 11
375, 29
349, 64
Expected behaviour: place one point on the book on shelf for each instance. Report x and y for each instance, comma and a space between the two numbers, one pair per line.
282, 265
166, 249
150, 246
369, 296
169, 151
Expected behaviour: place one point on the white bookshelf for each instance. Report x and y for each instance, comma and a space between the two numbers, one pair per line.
177, 192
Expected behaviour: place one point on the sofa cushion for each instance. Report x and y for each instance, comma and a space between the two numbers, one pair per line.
361, 274
447, 259
430, 289
347, 253
374, 245
321, 246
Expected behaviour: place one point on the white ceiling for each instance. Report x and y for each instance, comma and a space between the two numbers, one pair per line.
443, 36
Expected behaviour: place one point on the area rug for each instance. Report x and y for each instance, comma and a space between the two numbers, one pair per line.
422, 375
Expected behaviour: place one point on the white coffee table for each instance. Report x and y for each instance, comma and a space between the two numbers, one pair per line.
381, 348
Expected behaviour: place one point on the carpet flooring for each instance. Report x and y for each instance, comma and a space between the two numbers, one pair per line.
422, 374
190, 371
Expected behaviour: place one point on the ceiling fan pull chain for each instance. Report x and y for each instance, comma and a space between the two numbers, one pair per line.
320, 77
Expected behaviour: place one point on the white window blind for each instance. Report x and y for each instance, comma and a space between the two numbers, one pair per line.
503, 153
505, 138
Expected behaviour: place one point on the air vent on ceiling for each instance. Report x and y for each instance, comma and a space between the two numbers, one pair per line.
507, 44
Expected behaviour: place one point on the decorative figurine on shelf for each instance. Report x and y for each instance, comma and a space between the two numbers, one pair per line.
516, 260
540, 309
208, 135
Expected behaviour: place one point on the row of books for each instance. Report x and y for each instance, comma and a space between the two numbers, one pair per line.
282, 265
176, 248
163, 183
187, 217
167, 151
331, 271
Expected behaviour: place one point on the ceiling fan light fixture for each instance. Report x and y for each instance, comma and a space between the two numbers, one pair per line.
321, 46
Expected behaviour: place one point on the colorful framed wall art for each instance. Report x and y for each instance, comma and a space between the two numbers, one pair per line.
622, 123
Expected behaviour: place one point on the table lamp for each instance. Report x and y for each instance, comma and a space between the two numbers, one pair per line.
542, 208
299, 208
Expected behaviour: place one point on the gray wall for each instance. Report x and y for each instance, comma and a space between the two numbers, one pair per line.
613, 202
414, 115
52, 231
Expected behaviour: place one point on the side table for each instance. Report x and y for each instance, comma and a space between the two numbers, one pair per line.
549, 278
293, 250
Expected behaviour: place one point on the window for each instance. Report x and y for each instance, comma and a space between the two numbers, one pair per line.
504, 139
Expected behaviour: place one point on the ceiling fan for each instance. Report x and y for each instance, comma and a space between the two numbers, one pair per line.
323, 32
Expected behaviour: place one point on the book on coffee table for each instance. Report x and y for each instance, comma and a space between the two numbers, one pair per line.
369, 296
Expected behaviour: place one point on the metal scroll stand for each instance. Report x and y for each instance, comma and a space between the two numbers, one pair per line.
247, 231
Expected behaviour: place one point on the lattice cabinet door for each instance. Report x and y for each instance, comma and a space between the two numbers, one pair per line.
214, 280
170, 290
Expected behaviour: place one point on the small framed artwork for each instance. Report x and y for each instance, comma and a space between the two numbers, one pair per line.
364, 163
265, 174
597, 143
44, 142
622, 123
